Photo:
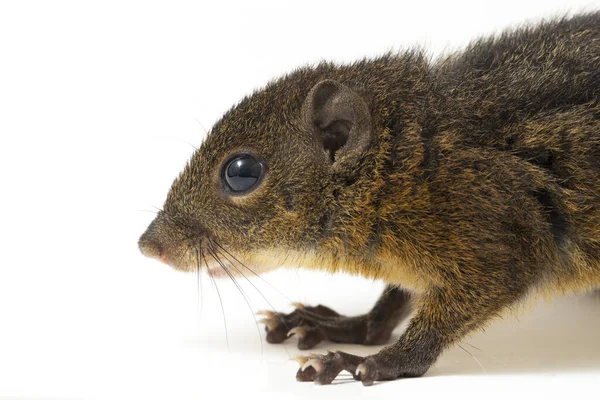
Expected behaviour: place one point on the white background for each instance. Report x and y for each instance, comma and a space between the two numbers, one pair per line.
100, 105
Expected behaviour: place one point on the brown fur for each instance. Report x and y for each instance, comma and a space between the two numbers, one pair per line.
475, 181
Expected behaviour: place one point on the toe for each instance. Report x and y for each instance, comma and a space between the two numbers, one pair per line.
308, 375
266, 313
367, 373
276, 336
298, 331
308, 336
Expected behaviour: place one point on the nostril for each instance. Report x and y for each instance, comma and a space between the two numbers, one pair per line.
162, 256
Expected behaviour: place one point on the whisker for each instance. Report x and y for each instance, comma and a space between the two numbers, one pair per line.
241, 290
220, 299
187, 248
188, 143
177, 221
150, 211
474, 358
245, 277
174, 219
250, 282
249, 269
489, 355
215, 257
158, 209
200, 299
202, 126
201, 292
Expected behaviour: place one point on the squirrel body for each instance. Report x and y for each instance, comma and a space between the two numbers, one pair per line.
469, 182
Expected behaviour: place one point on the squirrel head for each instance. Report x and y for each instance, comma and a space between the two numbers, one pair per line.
275, 176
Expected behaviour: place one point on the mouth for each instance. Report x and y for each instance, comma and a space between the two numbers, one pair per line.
213, 258
217, 259
221, 269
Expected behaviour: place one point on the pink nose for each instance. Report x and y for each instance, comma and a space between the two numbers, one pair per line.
162, 257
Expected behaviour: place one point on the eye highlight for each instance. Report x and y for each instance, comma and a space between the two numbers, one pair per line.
242, 173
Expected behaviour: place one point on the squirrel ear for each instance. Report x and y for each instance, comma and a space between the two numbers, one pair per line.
340, 120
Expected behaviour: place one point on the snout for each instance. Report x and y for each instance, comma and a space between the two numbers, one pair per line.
191, 250
170, 244
151, 247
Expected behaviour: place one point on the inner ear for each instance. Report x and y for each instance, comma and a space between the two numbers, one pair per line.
339, 119
335, 135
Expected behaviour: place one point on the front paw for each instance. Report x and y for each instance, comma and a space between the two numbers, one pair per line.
381, 367
306, 323
324, 368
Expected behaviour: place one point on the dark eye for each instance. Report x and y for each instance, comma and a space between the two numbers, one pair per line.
242, 173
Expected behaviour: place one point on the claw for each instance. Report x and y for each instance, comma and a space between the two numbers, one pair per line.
269, 322
315, 363
300, 360
361, 370
298, 305
266, 313
301, 332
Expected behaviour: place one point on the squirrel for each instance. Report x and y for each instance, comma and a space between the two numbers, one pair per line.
465, 183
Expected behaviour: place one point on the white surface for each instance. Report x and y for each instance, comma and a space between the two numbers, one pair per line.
99, 103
